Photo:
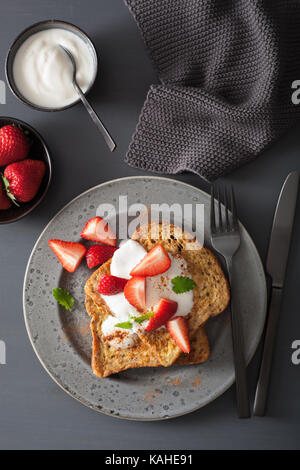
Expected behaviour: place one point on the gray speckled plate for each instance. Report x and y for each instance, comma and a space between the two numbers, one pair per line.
62, 340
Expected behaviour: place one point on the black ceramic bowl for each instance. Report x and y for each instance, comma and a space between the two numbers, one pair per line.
36, 28
38, 151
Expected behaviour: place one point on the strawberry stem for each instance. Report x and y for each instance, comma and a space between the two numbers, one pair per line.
6, 187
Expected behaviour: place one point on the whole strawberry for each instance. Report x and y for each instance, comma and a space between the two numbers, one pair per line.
13, 145
23, 179
5, 202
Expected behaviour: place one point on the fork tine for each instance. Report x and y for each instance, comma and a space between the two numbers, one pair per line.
233, 210
212, 210
226, 202
220, 212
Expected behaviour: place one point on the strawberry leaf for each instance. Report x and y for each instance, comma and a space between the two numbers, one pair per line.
182, 284
9, 194
63, 297
126, 324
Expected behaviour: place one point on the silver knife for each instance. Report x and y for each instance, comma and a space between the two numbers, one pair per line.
276, 267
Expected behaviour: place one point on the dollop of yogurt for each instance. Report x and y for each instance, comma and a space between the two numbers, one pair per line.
118, 337
126, 258
43, 73
123, 261
161, 286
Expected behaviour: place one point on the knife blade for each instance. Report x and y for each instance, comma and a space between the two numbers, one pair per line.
282, 230
276, 264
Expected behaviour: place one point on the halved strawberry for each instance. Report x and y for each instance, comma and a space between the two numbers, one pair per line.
165, 310
179, 330
111, 285
135, 292
98, 230
98, 254
157, 261
70, 254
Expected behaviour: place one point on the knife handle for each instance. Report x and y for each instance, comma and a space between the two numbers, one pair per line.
242, 394
262, 387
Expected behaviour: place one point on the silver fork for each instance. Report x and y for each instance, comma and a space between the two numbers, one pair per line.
225, 238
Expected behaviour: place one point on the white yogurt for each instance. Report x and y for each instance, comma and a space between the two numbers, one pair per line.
120, 306
160, 286
43, 73
124, 259
119, 338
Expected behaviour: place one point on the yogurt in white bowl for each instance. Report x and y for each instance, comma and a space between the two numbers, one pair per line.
38, 71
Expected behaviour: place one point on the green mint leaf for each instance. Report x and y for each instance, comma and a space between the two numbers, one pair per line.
63, 297
182, 284
126, 324
143, 317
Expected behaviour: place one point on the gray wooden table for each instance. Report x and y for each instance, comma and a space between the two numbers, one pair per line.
34, 411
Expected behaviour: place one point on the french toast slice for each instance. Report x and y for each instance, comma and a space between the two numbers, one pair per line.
107, 360
211, 293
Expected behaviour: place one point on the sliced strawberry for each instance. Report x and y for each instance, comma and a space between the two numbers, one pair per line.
98, 230
98, 254
165, 310
111, 285
70, 254
157, 261
135, 292
179, 330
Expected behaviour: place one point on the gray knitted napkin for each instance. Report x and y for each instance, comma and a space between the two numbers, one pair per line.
226, 68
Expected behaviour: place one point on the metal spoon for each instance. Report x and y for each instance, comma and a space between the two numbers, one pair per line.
111, 144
